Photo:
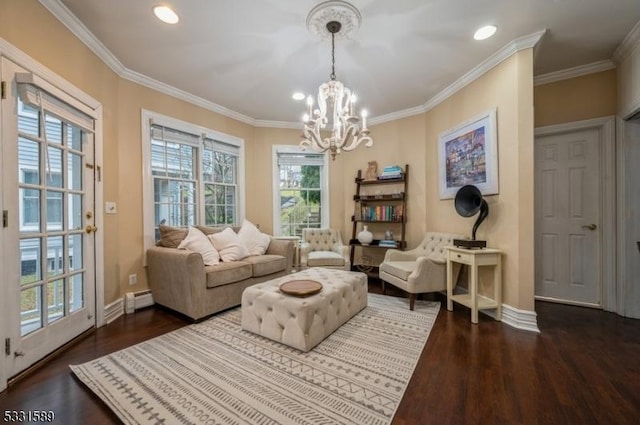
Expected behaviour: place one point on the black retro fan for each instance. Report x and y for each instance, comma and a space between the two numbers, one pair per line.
468, 202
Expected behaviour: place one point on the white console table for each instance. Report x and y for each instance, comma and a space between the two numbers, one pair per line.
475, 258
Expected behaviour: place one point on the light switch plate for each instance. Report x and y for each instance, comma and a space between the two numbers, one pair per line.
110, 207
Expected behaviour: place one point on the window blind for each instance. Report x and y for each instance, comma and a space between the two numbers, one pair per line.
290, 158
166, 134
31, 94
218, 146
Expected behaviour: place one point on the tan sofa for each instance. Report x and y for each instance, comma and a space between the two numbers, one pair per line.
180, 281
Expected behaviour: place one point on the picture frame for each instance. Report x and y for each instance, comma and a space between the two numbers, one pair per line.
468, 154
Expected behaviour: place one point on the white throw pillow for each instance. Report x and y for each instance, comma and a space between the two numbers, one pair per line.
229, 245
255, 241
198, 242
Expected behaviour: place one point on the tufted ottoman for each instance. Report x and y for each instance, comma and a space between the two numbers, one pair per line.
303, 323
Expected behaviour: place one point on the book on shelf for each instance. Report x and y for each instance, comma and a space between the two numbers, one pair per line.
385, 243
391, 172
381, 213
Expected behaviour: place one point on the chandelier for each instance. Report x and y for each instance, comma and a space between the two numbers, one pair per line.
335, 113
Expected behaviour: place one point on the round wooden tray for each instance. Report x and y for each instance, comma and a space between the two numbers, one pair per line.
301, 288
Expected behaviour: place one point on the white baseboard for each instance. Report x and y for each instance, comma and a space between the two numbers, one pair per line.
520, 319
114, 310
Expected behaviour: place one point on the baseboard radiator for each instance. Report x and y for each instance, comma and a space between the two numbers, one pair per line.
136, 300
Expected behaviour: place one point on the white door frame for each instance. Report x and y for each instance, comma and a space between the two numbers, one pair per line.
626, 306
22, 59
606, 127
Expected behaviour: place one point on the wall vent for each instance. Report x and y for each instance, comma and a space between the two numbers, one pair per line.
136, 300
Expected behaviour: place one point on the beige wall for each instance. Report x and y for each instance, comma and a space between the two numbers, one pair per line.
509, 226
127, 177
31, 28
576, 99
410, 140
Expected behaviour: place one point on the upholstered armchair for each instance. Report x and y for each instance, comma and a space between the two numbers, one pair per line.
420, 270
323, 248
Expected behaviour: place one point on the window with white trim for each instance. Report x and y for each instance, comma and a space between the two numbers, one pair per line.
300, 190
193, 176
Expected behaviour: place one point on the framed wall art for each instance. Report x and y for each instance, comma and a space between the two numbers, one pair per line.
468, 154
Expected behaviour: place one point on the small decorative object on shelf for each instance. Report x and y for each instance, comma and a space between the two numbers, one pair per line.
388, 235
372, 172
365, 237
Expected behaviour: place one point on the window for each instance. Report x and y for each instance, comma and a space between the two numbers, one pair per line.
193, 176
174, 170
300, 190
220, 175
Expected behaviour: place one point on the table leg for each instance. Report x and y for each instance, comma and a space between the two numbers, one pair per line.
473, 288
497, 282
449, 285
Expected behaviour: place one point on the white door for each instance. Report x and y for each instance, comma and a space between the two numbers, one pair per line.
568, 227
47, 182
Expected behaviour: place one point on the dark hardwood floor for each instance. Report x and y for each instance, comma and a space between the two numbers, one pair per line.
583, 368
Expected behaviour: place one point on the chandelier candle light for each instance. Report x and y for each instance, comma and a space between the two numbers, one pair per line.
335, 112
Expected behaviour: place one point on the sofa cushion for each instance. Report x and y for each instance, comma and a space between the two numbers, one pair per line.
229, 245
225, 273
324, 258
266, 264
170, 237
399, 269
210, 230
196, 241
255, 241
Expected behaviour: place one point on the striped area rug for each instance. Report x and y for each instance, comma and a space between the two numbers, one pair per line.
215, 373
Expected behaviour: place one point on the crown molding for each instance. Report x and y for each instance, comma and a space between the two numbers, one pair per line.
278, 124
68, 19
485, 66
525, 42
629, 42
574, 72
169, 90
397, 115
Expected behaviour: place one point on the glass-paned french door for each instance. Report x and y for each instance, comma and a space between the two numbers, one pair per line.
48, 237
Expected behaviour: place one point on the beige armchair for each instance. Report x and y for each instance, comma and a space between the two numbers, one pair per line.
420, 270
323, 248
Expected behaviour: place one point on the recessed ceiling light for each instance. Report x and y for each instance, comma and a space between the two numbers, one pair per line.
485, 32
298, 96
166, 14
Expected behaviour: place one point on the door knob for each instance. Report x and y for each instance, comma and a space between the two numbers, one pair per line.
590, 227
91, 229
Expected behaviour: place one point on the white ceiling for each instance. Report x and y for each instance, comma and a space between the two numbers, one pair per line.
249, 56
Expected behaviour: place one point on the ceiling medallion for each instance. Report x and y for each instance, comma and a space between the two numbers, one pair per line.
329, 11
335, 115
